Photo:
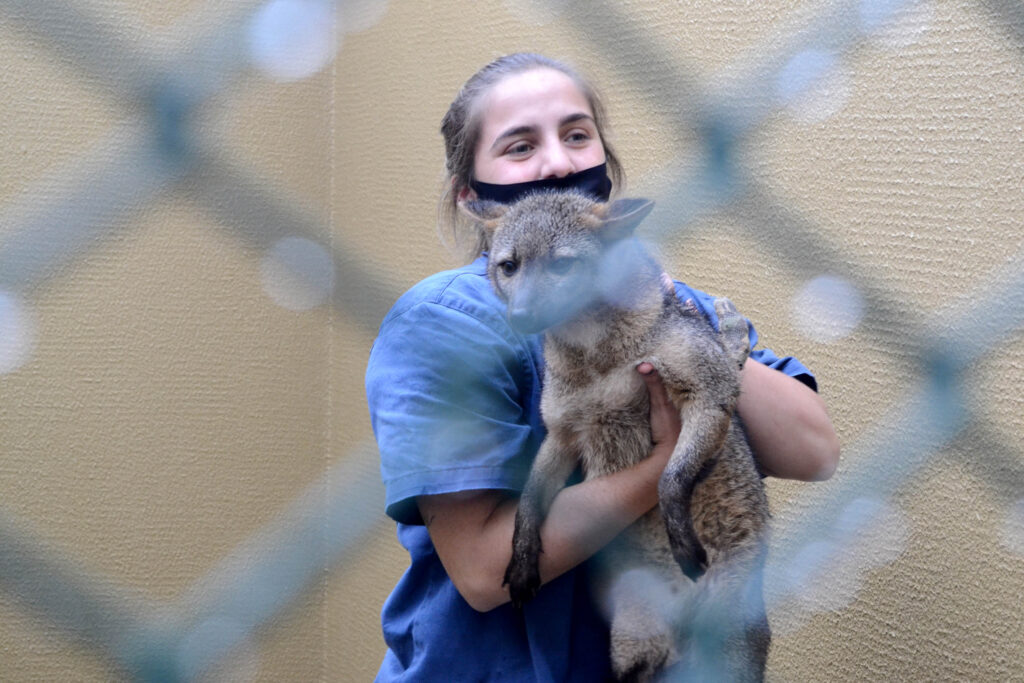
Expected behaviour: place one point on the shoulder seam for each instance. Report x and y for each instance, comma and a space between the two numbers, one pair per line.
503, 331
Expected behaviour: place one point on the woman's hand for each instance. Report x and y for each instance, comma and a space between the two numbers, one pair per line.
665, 422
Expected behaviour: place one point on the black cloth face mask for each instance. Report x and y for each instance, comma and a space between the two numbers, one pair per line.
593, 182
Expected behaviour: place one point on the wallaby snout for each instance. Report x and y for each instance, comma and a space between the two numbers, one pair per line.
527, 310
526, 321
536, 303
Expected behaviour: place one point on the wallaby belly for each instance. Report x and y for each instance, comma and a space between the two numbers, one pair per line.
607, 414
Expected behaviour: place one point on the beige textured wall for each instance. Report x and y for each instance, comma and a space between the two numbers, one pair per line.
167, 409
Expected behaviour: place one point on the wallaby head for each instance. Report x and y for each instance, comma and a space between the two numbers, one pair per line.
554, 255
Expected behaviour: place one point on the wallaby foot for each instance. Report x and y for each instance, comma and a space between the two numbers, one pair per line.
642, 643
639, 662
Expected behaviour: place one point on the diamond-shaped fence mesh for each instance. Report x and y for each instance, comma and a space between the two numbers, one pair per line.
158, 151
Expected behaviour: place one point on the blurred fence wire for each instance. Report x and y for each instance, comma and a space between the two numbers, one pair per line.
59, 221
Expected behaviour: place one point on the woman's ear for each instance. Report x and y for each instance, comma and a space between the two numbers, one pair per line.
618, 219
484, 212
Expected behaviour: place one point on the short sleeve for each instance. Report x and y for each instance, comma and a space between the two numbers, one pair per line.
449, 400
785, 364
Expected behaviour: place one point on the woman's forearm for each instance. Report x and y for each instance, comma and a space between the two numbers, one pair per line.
472, 531
788, 425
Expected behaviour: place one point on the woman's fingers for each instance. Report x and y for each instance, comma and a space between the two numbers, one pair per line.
665, 422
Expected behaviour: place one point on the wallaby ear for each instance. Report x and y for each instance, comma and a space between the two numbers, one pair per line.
620, 217
484, 212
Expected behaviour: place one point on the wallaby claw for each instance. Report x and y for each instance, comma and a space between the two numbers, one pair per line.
694, 565
523, 580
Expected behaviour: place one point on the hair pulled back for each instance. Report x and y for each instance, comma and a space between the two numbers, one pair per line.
461, 130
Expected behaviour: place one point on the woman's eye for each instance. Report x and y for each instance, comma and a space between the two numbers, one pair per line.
561, 266
578, 136
508, 268
519, 149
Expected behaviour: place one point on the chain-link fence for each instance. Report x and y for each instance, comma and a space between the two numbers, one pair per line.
98, 196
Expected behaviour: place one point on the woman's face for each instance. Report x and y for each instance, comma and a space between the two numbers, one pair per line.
535, 124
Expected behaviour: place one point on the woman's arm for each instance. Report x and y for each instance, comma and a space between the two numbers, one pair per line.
472, 530
789, 431
787, 424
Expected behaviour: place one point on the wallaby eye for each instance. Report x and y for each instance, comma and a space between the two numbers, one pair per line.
561, 266
508, 268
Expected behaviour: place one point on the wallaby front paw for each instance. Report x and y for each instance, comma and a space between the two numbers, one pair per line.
522, 576
734, 330
693, 562
687, 550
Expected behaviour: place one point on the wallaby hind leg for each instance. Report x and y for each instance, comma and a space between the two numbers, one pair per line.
733, 331
735, 652
730, 635
757, 634
642, 638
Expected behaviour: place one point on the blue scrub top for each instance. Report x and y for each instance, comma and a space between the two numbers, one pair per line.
454, 398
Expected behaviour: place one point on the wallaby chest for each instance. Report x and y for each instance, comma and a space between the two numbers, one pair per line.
602, 415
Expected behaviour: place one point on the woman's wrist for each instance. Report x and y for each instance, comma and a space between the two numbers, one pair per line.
649, 472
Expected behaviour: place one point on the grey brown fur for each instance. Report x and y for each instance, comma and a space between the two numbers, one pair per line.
683, 583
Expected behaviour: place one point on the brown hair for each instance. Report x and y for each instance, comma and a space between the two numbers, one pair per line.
461, 129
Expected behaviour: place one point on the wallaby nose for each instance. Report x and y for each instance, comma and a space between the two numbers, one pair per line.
524, 321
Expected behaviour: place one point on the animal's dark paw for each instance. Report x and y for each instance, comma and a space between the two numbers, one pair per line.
522, 576
687, 550
640, 660
693, 563
641, 672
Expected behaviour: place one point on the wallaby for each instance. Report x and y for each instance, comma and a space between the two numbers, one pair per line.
683, 583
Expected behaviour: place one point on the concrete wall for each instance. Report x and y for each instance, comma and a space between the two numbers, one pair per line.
159, 406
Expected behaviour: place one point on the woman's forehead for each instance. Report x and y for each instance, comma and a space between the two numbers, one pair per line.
534, 94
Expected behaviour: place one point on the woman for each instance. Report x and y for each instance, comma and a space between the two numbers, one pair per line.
454, 394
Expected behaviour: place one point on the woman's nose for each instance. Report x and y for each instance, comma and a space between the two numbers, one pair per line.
557, 163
